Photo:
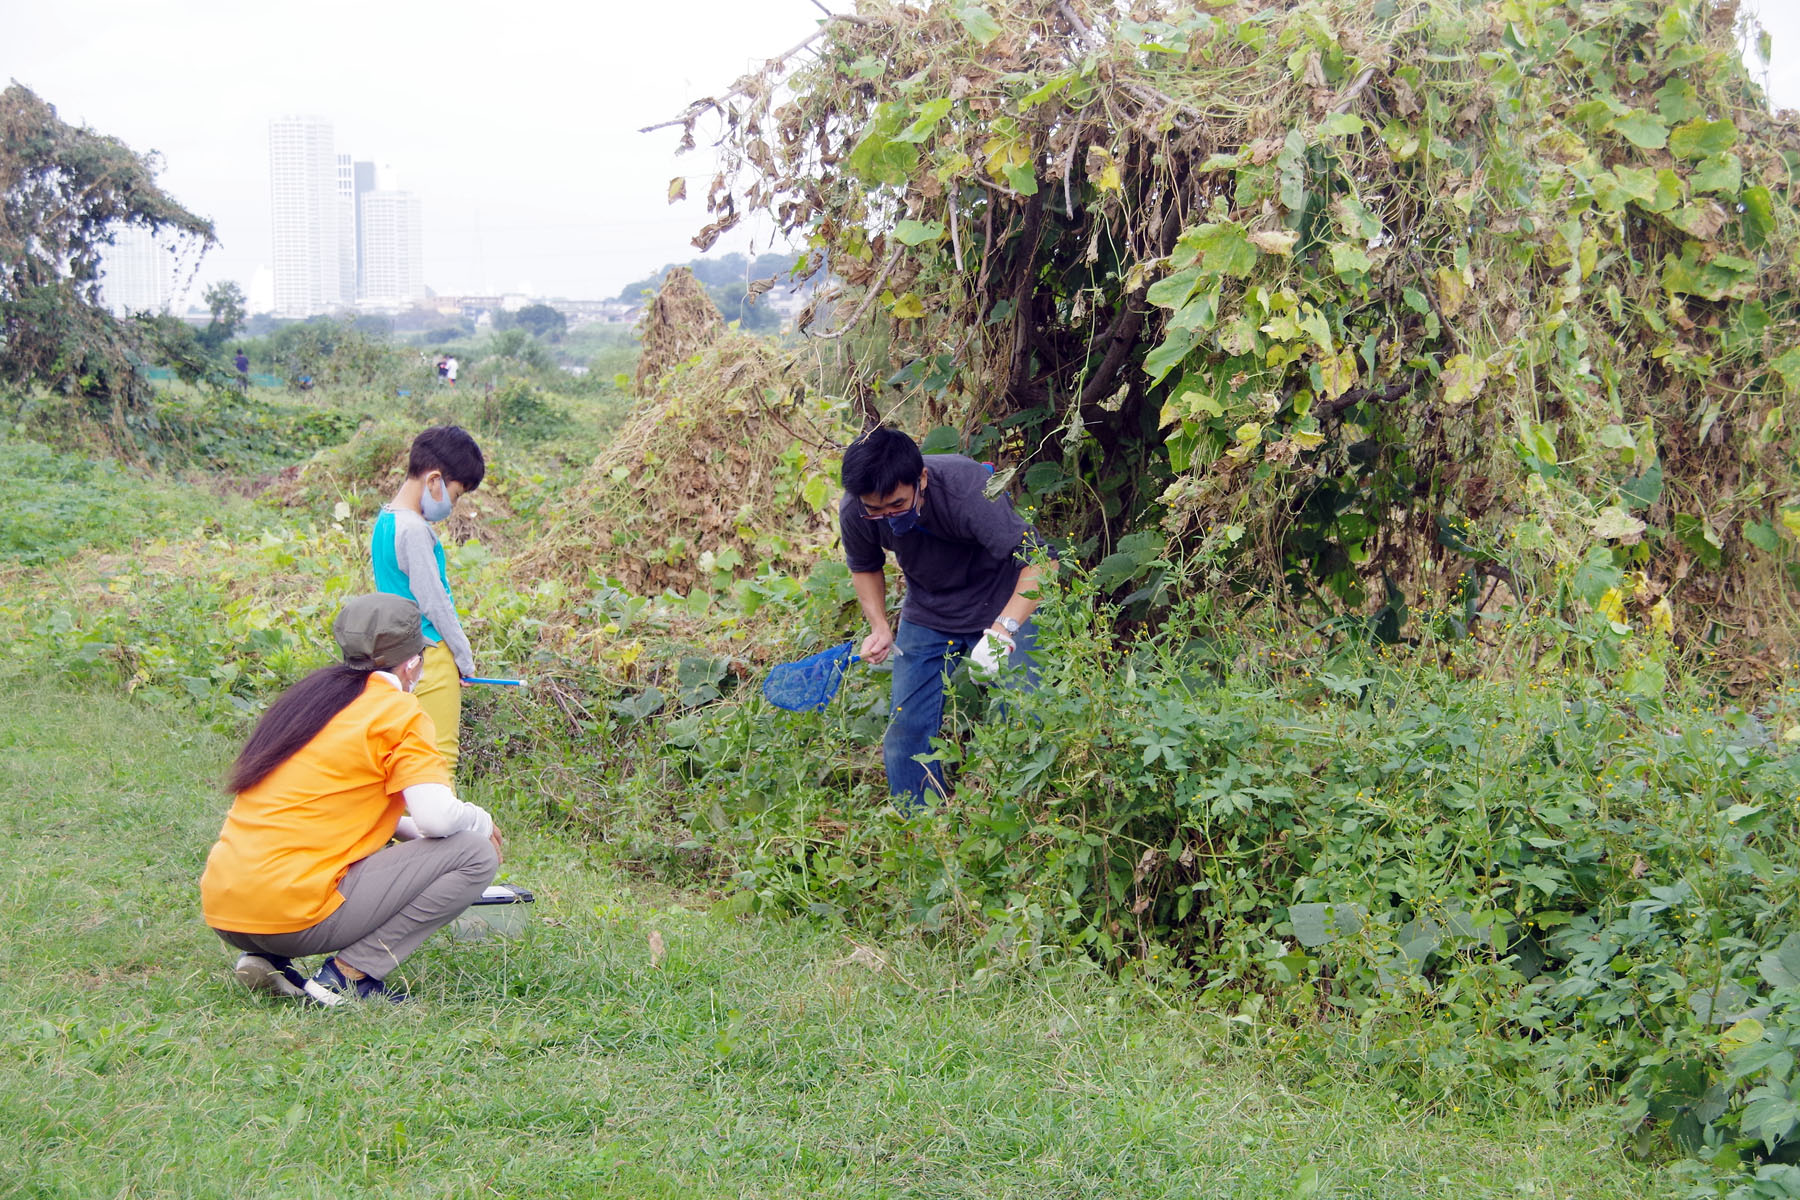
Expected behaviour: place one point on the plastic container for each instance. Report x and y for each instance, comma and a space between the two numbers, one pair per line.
500, 912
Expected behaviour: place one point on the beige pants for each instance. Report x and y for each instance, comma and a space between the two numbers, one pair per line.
440, 694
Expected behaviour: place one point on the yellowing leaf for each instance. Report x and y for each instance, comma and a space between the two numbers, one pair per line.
1451, 291
1463, 379
1662, 616
1307, 439
1338, 372
1170, 415
1249, 436
1275, 241
1612, 606
1003, 154
1615, 523
1746, 1032
908, 307
1197, 402
1790, 517
677, 188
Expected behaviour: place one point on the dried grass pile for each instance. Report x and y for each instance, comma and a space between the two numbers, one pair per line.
680, 321
727, 467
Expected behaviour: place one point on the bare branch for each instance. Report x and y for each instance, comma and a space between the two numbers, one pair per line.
1353, 91
693, 111
955, 234
1068, 14
868, 299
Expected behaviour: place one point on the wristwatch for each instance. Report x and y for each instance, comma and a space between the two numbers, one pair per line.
1009, 624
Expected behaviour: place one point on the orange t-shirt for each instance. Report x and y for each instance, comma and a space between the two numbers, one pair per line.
289, 840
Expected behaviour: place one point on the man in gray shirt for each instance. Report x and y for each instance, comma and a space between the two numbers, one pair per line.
970, 585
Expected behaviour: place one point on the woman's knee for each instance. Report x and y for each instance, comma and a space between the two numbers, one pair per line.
476, 856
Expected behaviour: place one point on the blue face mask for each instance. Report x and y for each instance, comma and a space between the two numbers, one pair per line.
906, 522
431, 507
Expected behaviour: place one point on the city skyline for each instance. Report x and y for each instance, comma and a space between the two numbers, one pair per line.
523, 143
345, 235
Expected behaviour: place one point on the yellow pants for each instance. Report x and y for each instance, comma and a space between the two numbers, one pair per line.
440, 695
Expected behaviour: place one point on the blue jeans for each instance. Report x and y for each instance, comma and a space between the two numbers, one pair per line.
921, 668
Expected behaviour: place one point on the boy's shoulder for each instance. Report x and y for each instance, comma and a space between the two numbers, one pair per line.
405, 520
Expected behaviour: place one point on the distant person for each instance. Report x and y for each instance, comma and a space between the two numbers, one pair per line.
242, 363
342, 762
450, 365
970, 586
408, 559
443, 368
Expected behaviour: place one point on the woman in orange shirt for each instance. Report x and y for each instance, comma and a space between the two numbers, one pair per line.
342, 763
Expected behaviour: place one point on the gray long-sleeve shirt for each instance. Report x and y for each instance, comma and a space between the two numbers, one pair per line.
420, 559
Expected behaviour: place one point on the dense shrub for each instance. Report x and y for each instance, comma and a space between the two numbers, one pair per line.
1532, 872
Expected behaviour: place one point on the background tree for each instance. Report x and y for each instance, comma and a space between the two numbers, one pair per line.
541, 321
1371, 299
733, 282
64, 191
227, 304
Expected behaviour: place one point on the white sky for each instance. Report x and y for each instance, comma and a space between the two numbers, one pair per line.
521, 117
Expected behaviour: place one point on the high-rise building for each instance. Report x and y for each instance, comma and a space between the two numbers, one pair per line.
138, 272
346, 195
362, 181
393, 247
305, 205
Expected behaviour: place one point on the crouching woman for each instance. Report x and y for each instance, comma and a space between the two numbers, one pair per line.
343, 762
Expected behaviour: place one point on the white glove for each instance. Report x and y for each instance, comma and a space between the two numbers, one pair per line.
991, 653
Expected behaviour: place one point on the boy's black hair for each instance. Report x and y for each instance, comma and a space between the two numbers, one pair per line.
450, 449
880, 461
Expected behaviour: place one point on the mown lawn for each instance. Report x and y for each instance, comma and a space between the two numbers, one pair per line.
755, 1059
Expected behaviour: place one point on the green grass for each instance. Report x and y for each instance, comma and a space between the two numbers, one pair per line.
757, 1059
55, 504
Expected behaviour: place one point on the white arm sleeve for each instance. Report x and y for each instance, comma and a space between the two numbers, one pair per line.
434, 811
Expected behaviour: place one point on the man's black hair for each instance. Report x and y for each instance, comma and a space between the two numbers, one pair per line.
880, 461
450, 449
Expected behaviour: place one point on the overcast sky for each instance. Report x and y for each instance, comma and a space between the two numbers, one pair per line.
515, 123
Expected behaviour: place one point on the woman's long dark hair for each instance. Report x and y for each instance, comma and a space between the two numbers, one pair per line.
293, 720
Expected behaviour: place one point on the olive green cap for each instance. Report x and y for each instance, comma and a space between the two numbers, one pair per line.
378, 631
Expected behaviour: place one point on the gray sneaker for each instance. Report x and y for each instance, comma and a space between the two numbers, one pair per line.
270, 973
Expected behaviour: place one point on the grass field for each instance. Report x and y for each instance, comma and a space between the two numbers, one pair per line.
755, 1059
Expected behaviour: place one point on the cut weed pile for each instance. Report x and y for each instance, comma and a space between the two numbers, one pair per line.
726, 468
680, 320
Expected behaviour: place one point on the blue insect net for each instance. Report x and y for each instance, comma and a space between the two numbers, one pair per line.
808, 685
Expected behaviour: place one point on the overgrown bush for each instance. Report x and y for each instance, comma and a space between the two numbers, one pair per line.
1353, 276
1561, 869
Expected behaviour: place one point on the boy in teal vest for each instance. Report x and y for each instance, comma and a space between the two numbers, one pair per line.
409, 561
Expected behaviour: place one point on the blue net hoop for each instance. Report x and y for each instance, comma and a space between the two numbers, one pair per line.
809, 684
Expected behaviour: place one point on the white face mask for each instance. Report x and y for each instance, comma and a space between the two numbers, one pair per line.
435, 508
